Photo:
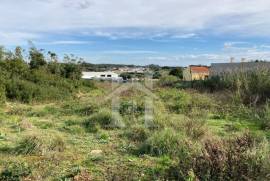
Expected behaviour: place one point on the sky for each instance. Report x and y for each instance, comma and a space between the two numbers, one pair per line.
141, 32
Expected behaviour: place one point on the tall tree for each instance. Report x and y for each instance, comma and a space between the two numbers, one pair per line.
37, 58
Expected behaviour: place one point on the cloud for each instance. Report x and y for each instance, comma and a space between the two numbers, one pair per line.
184, 36
129, 52
66, 42
186, 17
16, 38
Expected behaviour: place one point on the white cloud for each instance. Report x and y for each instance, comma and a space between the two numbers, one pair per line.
16, 38
128, 52
184, 36
177, 17
66, 42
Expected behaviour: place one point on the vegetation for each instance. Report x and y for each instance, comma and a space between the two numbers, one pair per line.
42, 79
216, 129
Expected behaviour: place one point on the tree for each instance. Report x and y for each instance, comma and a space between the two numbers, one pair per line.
53, 56
37, 58
2, 53
177, 72
72, 68
156, 75
18, 53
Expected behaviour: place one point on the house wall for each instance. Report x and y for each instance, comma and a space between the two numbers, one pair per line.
187, 74
221, 69
199, 76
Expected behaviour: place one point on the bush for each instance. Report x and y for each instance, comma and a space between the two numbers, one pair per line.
167, 81
165, 142
128, 108
15, 171
265, 118
177, 101
2, 94
194, 128
36, 145
104, 118
245, 157
137, 133
21, 90
241, 158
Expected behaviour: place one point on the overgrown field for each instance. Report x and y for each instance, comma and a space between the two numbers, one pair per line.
194, 136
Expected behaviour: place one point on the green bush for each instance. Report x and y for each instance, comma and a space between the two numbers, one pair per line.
265, 118
167, 81
128, 108
2, 94
137, 133
15, 171
37, 145
165, 142
104, 118
176, 100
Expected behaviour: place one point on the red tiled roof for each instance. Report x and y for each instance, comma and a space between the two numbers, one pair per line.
199, 69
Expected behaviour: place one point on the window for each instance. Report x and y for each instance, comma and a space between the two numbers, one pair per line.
109, 75
103, 75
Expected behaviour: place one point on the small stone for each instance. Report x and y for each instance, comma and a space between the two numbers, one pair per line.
96, 152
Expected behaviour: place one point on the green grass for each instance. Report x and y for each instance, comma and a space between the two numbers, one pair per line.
54, 141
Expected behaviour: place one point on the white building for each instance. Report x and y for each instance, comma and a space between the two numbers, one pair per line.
101, 76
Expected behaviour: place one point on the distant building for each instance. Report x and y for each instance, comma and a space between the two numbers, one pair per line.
194, 72
132, 70
101, 76
219, 69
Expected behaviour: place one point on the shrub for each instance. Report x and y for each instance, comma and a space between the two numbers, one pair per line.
165, 142
36, 145
265, 118
15, 171
30, 145
104, 118
177, 72
21, 90
241, 158
194, 128
167, 81
2, 94
176, 100
128, 108
137, 133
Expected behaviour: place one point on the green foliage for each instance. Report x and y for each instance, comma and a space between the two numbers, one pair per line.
249, 88
157, 75
137, 133
177, 72
15, 171
37, 145
164, 142
131, 108
176, 100
2, 94
104, 118
167, 81
265, 118
37, 58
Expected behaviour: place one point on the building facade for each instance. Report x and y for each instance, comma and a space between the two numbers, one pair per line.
101, 76
194, 72
220, 69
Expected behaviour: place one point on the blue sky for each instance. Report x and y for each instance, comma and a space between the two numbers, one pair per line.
164, 32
